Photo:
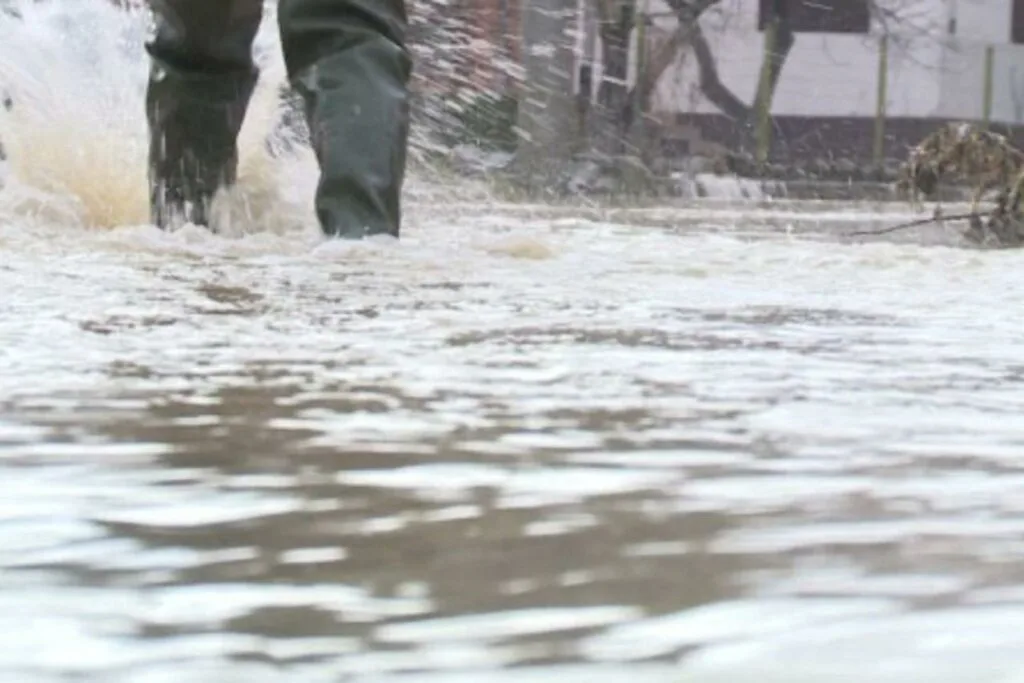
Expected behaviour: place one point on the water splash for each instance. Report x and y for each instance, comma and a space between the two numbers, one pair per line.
76, 136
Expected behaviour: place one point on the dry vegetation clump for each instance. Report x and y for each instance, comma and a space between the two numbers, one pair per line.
985, 161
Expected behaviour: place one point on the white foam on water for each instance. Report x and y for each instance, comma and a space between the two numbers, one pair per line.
649, 673
529, 487
982, 645
726, 187
665, 634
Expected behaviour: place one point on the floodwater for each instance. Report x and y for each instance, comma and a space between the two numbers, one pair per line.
706, 443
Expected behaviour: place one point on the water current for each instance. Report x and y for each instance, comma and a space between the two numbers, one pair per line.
711, 442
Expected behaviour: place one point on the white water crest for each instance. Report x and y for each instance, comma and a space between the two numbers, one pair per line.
76, 136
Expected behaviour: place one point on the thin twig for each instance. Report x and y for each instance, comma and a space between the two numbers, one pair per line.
913, 224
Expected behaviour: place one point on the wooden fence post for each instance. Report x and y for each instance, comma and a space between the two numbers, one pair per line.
881, 101
986, 102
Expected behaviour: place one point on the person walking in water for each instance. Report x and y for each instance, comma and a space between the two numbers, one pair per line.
347, 60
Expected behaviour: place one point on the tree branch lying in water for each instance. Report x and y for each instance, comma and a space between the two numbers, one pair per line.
916, 223
987, 161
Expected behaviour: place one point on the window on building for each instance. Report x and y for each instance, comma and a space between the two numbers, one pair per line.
1017, 22
823, 16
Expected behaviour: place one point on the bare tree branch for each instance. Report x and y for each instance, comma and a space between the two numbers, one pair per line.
710, 84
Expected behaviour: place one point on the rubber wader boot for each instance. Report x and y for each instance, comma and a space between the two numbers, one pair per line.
349, 62
201, 80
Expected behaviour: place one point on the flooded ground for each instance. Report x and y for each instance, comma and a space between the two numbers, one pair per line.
508, 441
706, 443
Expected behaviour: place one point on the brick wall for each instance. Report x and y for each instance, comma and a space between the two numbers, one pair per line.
494, 37
459, 44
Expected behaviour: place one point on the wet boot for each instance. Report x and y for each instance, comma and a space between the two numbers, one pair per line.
201, 80
348, 61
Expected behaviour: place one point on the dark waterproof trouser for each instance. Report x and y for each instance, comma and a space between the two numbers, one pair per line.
348, 61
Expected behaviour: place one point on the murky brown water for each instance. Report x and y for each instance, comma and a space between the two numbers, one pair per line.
712, 442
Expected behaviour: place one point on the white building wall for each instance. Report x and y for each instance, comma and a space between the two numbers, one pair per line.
981, 23
1008, 84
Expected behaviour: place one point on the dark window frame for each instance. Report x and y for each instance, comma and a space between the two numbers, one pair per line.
824, 16
1017, 22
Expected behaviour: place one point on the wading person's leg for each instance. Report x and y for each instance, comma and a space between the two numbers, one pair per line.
199, 88
348, 60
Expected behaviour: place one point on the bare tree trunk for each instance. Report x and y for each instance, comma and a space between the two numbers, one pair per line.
662, 57
779, 26
784, 39
711, 86
547, 112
